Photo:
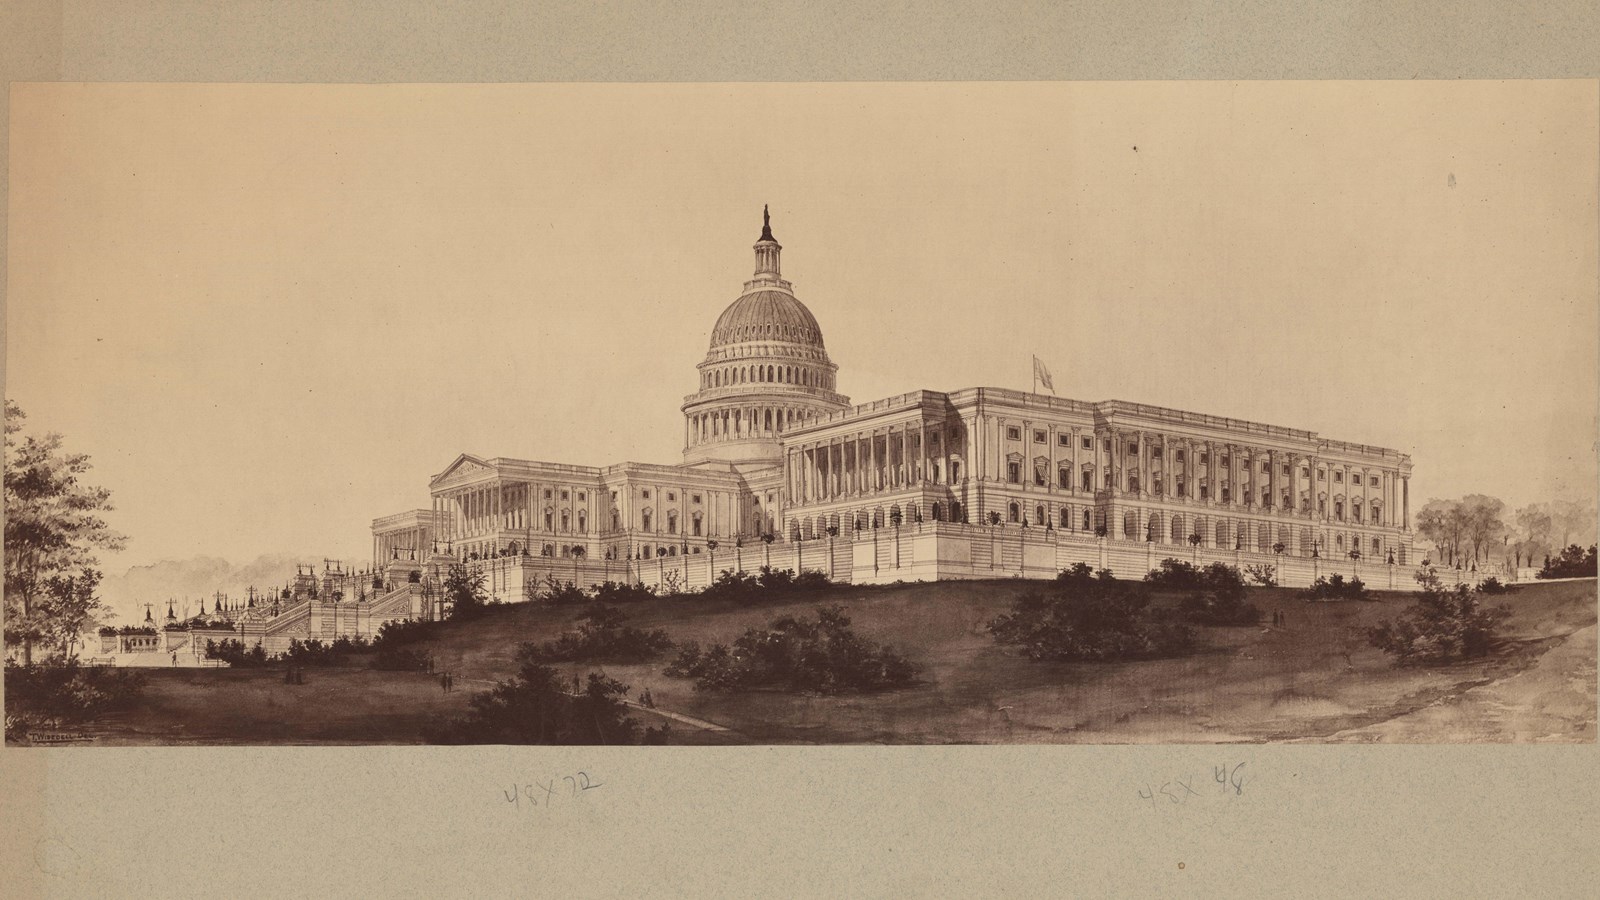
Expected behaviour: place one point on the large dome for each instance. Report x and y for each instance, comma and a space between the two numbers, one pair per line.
766, 315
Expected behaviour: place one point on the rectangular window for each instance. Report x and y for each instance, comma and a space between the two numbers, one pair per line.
1227, 461
1205, 492
1338, 477
1088, 443
1108, 445
1322, 475
582, 497
1014, 472
1179, 456
1108, 481
1266, 468
1374, 481
1013, 433
1133, 483
1305, 472
695, 498
1227, 495
547, 493
671, 497
1133, 449
566, 495
647, 495
1038, 475
1039, 437
1064, 440
1155, 452
1064, 479
1205, 459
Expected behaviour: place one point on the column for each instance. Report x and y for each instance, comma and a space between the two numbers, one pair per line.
1405, 500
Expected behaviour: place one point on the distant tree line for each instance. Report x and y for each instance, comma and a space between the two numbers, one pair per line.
1478, 528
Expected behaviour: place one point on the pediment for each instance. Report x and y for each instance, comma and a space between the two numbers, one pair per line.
465, 467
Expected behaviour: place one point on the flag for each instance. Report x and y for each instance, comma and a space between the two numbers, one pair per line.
1041, 375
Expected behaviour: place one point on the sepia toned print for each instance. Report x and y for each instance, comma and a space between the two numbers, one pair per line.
427, 329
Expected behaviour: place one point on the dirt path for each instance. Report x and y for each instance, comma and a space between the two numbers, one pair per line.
1551, 700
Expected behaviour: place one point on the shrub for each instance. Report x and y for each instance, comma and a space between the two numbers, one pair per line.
1175, 574
558, 592
1445, 624
65, 691
1573, 562
618, 592
464, 592
1263, 575
535, 708
1091, 616
316, 653
234, 653
601, 636
1334, 587
824, 656
399, 632
767, 584
1493, 585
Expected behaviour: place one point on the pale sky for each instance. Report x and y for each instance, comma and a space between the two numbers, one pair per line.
271, 312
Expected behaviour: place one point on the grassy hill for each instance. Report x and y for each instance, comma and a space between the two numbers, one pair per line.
1312, 678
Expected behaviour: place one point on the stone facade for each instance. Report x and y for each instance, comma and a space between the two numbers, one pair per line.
925, 485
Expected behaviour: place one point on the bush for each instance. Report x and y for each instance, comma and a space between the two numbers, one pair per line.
601, 636
234, 653
464, 592
1088, 615
1446, 624
399, 632
316, 653
1493, 585
1175, 574
535, 708
1573, 562
558, 592
1263, 575
1334, 587
825, 656
618, 592
45, 693
767, 584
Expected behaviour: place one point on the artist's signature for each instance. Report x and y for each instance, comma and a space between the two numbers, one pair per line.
549, 793
1229, 778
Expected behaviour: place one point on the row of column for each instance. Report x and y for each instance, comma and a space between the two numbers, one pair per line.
869, 461
740, 422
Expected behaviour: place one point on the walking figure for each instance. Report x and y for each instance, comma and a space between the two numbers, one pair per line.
174, 657
444, 682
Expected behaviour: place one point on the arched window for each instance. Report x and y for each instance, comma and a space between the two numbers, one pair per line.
1038, 515
769, 374
1088, 523
672, 522
1066, 519
1013, 513
938, 511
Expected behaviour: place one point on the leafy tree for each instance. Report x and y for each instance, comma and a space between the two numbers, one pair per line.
535, 708
1334, 587
1445, 624
1482, 522
464, 592
1089, 615
53, 530
1573, 562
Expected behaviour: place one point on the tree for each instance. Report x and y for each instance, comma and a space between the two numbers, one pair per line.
53, 530
464, 591
1086, 615
1534, 525
536, 708
1571, 521
1481, 521
1445, 624
1444, 523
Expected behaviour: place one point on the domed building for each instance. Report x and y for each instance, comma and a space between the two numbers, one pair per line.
780, 469
766, 372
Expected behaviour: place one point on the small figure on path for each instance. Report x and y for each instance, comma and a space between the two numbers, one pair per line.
174, 657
